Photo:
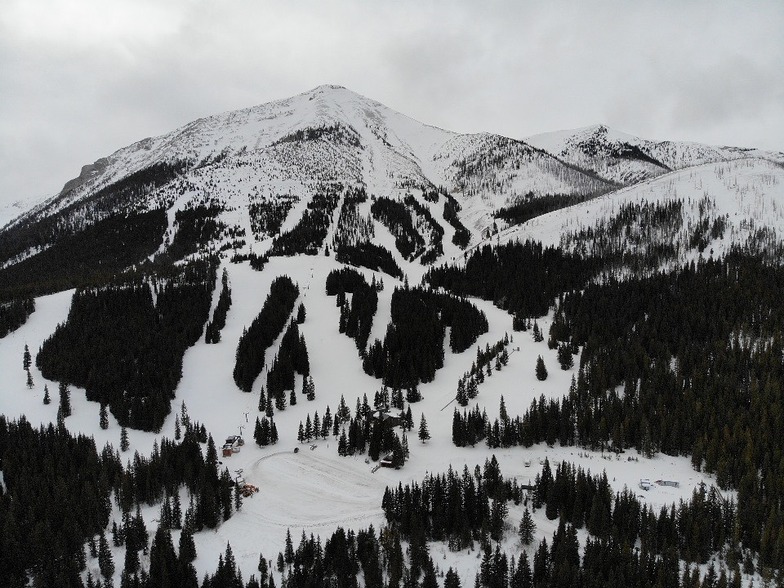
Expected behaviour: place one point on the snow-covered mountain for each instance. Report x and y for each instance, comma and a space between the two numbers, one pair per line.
283, 189
326, 135
626, 159
701, 210
242, 163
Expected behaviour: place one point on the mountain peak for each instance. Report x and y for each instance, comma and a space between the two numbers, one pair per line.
326, 87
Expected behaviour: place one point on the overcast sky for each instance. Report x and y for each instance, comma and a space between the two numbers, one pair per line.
82, 78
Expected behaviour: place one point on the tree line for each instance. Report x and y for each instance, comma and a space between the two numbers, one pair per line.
212, 333
14, 313
356, 314
125, 348
58, 500
90, 257
309, 233
522, 278
263, 331
413, 348
462, 235
395, 216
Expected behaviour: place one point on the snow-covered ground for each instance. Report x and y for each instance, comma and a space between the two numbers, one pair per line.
749, 193
316, 491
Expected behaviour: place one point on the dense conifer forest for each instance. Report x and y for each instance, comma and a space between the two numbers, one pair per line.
683, 363
371, 256
356, 313
413, 348
309, 233
292, 358
263, 331
118, 200
125, 347
353, 228
462, 235
58, 501
14, 313
196, 227
214, 327
530, 206
523, 278
426, 225
396, 217
87, 258
268, 214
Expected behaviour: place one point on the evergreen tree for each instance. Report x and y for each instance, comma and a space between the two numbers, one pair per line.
103, 417
527, 528
262, 400
498, 512
424, 434
343, 443
47, 398
502, 414
65, 400
326, 423
452, 580
288, 553
124, 442
344, 413
105, 559
462, 396
565, 357
541, 370
176, 511
30, 384
164, 568
310, 388
26, 358
263, 568
537, 333
472, 389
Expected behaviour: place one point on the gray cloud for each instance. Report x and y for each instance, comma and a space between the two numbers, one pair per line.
82, 79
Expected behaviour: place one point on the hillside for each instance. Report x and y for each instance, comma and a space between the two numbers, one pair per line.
700, 211
583, 328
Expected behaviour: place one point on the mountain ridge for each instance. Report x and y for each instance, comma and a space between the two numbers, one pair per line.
273, 158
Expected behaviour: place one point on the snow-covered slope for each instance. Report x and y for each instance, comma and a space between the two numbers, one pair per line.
287, 150
716, 206
627, 159
328, 135
317, 491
